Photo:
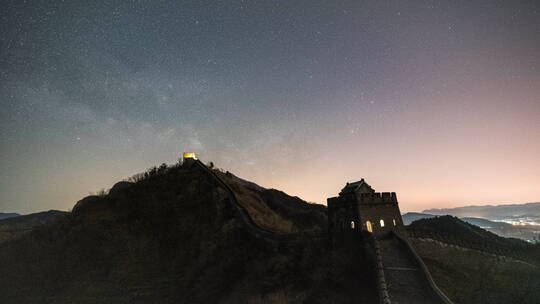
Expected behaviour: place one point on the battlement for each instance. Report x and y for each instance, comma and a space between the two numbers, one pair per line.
363, 198
377, 197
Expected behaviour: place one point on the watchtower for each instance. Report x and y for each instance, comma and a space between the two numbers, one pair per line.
188, 158
359, 208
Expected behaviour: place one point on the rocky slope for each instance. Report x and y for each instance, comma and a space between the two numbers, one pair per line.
173, 236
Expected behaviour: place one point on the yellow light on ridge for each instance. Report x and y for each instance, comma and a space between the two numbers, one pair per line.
187, 155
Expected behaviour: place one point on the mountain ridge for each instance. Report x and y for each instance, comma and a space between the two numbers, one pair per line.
173, 236
14, 227
530, 233
8, 215
531, 208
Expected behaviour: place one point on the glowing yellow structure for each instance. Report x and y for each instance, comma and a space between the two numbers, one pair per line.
189, 155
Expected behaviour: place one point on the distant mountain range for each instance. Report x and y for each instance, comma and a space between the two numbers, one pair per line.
528, 232
410, 217
14, 226
7, 215
514, 213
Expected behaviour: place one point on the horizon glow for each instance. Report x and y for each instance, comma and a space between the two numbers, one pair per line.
439, 103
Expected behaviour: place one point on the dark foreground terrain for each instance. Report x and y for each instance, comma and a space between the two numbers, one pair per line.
174, 235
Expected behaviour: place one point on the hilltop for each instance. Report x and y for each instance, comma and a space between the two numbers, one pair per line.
172, 235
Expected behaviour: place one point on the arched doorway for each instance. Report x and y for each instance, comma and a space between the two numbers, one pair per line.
369, 226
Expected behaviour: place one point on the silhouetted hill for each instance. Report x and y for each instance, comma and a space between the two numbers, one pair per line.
172, 235
7, 215
410, 217
525, 232
473, 265
452, 228
512, 213
13, 227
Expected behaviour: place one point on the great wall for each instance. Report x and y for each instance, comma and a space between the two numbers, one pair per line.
401, 275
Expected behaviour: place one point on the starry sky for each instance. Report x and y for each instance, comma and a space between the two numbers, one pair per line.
436, 100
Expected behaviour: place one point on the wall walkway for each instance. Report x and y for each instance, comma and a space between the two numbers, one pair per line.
406, 276
254, 231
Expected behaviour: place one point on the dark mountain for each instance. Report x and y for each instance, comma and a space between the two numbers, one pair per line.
515, 213
7, 215
410, 217
525, 232
472, 265
175, 235
452, 228
486, 224
13, 227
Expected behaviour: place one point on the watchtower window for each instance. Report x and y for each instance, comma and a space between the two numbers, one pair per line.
369, 226
352, 225
382, 223
394, 221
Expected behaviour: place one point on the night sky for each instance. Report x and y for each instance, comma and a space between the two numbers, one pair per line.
438, 101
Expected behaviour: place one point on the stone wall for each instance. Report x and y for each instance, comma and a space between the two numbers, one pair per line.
380, 214
341, 213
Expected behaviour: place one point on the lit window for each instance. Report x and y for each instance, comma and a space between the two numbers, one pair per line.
369, 227
352, 224
382, 223
394, 221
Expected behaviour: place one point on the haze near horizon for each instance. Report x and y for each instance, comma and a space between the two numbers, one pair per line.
437, 102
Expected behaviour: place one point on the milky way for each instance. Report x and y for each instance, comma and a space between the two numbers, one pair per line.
439, 102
